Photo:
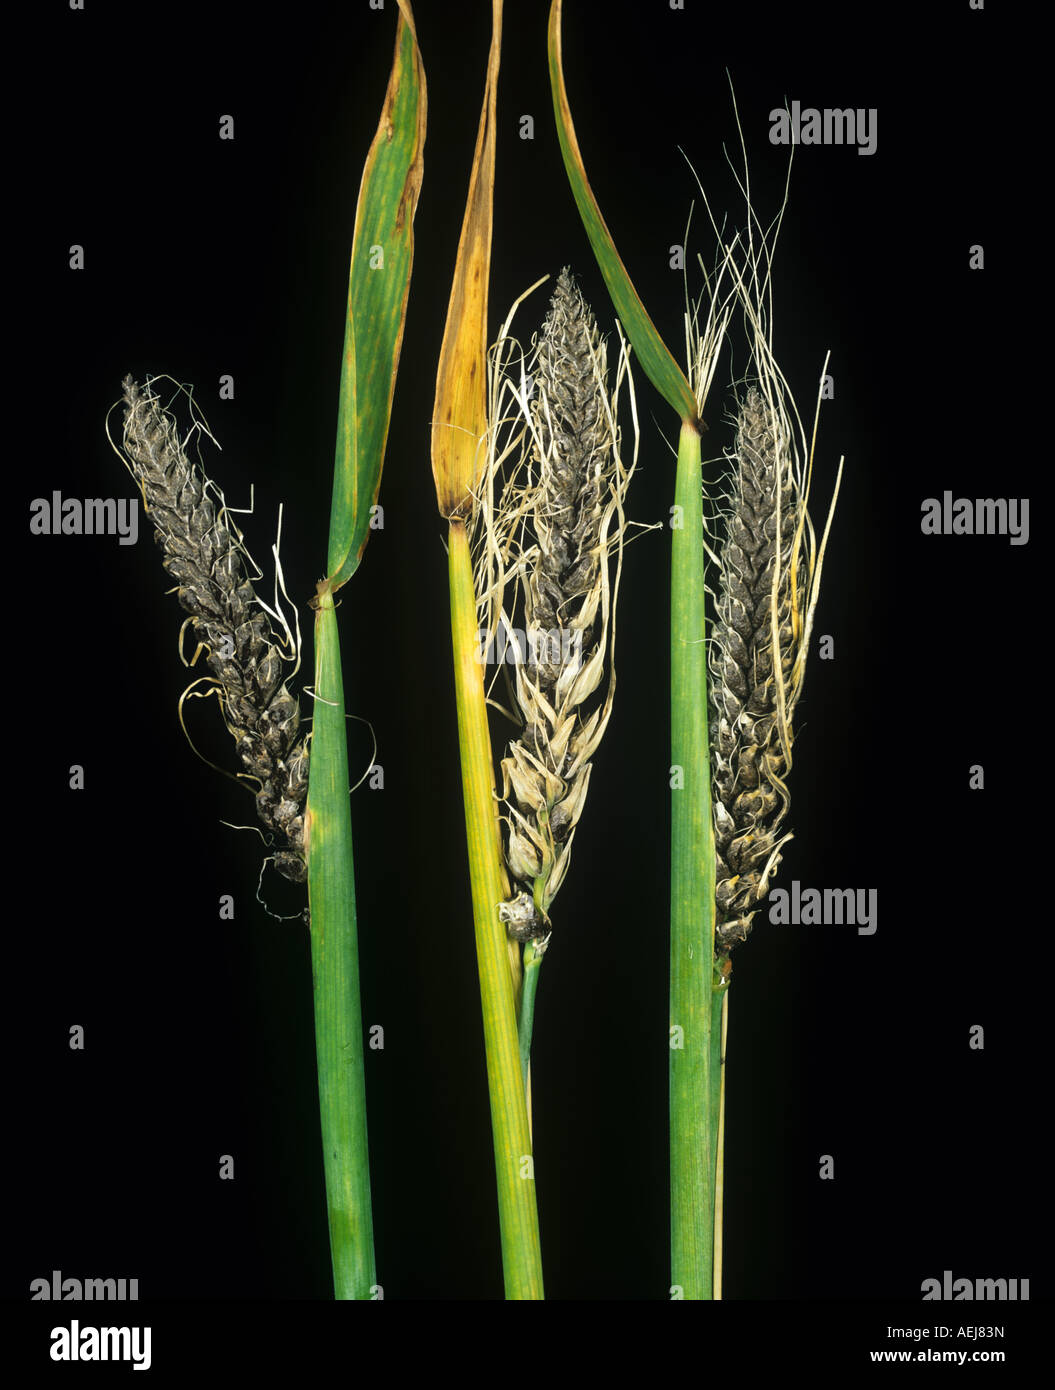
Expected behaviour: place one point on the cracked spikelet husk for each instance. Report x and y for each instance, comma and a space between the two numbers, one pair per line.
205, 554
551, 532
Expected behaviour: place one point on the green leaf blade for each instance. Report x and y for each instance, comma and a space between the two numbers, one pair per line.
655, 358
378, 286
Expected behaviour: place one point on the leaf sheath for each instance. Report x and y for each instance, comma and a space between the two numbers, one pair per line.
514, 1164
693, 1094
335, 971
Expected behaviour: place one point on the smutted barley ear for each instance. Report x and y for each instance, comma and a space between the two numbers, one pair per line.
756, 648
561, 517
205, 555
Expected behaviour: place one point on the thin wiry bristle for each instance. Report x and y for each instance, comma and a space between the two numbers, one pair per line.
205, 555
557, 519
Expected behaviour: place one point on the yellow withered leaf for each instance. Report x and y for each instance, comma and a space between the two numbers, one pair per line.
459, 416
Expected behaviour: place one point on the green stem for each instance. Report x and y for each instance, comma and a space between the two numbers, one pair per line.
532, 966
718, 1052
514, 1163
335, 969
693, 1085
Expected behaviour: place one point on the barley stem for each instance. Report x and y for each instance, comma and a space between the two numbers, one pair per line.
719, 1180
693, 1085
335, 970
514, 1165
526, 1023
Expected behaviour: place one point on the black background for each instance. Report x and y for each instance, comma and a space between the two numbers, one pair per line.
207, 257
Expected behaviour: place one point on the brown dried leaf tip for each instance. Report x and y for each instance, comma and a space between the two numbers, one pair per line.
770, 575
205, 554
557, 521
